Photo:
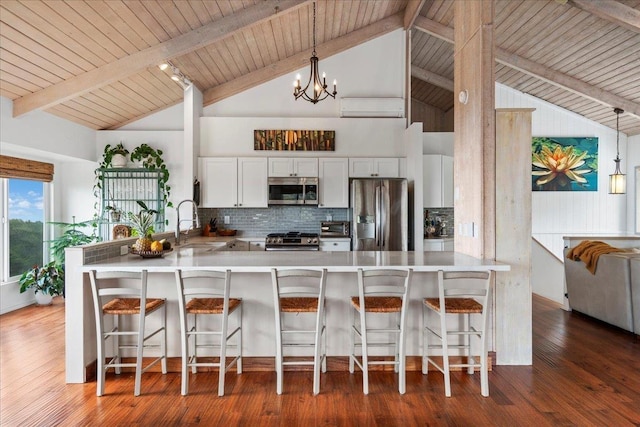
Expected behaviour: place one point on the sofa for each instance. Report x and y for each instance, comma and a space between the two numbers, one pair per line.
612, 294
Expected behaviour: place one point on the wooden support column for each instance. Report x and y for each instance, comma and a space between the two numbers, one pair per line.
513, 326
474, 126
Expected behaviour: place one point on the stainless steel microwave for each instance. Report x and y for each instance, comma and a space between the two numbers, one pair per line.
293, 191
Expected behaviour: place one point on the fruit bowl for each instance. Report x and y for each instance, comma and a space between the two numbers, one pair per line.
150, 254
226, 232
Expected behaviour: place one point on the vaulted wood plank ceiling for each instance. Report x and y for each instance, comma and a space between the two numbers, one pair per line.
95, 62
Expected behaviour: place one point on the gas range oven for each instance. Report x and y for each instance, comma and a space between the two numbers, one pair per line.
292, 241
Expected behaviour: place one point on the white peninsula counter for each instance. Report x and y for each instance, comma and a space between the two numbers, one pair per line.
251, 282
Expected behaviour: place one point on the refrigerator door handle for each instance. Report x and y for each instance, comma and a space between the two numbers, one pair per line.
377, 221
382, 218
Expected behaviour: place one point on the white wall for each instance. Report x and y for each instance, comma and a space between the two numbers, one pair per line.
372, 69
43, 131
171, 118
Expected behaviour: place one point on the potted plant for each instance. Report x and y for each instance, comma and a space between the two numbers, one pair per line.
46, 281
114, 213
71, 236
115, 156
151, 159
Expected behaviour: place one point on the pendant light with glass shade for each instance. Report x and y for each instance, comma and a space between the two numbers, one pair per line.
617, 180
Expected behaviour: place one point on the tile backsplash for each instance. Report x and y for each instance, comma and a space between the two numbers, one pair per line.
275, 219
445, 215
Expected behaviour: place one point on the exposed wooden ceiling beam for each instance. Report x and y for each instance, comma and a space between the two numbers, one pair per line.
539, 71
431, 77
411, 12
152, 56
301, 59
566, 82
611, 10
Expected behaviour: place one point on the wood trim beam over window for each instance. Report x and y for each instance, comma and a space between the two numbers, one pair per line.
14, 167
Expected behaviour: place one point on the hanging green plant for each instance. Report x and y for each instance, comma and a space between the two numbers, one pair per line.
152, 159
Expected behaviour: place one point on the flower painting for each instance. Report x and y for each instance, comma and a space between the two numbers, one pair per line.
564, 164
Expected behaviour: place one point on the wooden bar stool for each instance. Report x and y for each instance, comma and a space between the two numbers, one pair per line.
299, 291
126, 297
460, 294
380, 291
206, 292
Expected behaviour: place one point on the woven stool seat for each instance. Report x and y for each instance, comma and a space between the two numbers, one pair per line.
455, 305
130, 305
299, 305
211, 305
379, 304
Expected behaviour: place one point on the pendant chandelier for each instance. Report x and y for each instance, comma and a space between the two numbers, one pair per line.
617, 180
317, 88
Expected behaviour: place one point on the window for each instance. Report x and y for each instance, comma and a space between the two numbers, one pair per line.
24, 210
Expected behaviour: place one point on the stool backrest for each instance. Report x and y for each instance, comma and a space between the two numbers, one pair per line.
203, 283
465, 284
299, 283
393, 283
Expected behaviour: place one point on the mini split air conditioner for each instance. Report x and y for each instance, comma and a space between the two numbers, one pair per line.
372, 107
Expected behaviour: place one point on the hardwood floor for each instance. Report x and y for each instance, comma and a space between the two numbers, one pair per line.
584, 373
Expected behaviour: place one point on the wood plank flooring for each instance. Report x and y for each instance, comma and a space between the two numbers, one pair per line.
584, 373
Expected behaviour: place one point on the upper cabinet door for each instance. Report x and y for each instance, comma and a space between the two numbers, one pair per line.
252, 182
286, 166
334, 183
447, 181
387, 167
219, 182
438, 181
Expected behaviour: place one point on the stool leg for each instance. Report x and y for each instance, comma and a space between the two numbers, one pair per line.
324, 340
317, 358
425, 342
194, 344
185, 354
402, 374
163, 343
396, 356
239, 346
365, 356
352, 336
467, 343
445, 354
101, 357
279, 355
138, 379
223, 353
116, 343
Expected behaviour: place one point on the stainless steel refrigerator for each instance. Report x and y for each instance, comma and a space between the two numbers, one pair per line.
380, 211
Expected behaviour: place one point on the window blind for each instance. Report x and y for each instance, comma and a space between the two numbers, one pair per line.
14, 167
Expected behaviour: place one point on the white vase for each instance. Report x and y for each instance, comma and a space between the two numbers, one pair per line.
118, 161
43, 299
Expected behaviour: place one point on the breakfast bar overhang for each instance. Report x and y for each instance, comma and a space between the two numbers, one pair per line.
251, 282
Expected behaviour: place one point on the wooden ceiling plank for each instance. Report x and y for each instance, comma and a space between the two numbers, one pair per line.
360, 16
613, 11
353, 16
411, 12
124, 89
212, 65
189, 14
299, 60
433, 78
113, 95
540, 71
99, 108
248, 59
136, 22
74, 115
144, 86
18, 80
86, 31
151, 56
251, 45
29, 67
103, 96
8, 67
36, 34
220, 63
11, 91
128, 30
34, 46
142, 116
95, 12
285, 27
173, 13
148, 20
337, 19
265, 41
233, 57
157, 82
202, 68
49, 22
21, 52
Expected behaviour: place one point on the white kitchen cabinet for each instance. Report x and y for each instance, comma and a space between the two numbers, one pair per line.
438, 245
438, 181
367, 167
286, 166
229, 182
335, 244
333, 180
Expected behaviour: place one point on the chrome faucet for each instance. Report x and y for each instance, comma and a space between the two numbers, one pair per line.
195, 221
